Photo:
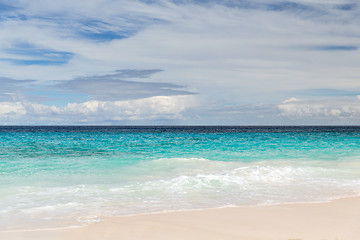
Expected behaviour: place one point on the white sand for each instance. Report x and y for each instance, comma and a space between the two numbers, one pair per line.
338, 220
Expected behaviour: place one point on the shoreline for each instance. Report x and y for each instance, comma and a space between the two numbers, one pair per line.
103, 218
337, 219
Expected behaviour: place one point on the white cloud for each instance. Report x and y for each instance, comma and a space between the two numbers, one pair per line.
329, 109
186, 109
153, 108
290, 100
242, 47
146, 108
12, 109
230, 55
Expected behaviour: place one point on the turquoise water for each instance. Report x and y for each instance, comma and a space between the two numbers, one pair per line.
66, 176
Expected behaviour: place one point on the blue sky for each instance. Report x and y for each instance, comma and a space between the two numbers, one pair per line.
238, 62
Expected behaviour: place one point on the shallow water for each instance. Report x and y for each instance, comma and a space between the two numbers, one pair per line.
64, 176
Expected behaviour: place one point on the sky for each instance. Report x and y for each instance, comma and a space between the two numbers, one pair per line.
180, 62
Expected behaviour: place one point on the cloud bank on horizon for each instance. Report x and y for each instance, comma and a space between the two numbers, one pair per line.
180, 62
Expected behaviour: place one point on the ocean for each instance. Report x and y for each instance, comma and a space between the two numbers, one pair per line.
65, 176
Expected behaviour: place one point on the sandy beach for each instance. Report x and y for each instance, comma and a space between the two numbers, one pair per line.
336, 220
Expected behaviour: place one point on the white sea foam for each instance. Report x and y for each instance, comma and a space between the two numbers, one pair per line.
179, 183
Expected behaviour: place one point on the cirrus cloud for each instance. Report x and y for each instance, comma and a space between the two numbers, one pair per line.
240, 58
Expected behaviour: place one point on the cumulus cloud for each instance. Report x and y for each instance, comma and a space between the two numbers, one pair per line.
326, 109
224, 49
291, 100
12, 109
114, 112
185, 109
111, 98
